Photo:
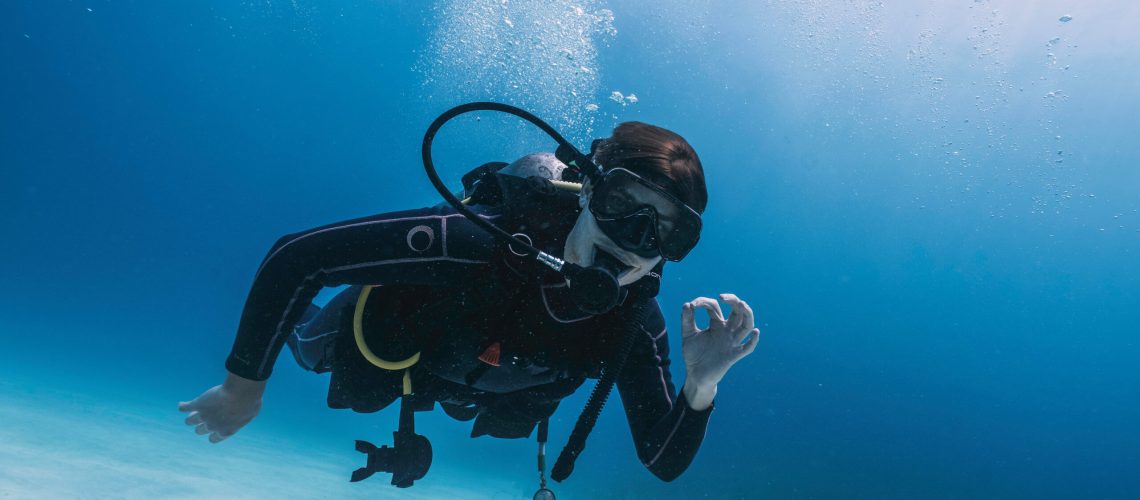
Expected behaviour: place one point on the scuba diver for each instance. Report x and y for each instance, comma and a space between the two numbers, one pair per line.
464, 304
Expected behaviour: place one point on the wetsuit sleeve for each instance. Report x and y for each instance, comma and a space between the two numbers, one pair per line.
431, 246
666, 431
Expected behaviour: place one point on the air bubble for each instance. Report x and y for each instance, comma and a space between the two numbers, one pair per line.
542, 56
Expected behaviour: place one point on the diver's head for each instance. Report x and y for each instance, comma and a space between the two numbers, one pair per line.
647, 204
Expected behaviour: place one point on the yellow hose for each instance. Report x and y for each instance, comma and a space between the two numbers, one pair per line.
358, 332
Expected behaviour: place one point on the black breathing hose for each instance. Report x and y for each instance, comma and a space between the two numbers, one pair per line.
577, 442
517, 243
595, 289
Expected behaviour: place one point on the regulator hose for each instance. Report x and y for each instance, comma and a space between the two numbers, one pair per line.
595, 289
577, 442
563, 145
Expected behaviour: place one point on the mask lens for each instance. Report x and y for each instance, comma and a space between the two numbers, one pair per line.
636, 232
682, 238
616, 203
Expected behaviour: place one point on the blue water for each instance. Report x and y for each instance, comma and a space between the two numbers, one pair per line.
932, 206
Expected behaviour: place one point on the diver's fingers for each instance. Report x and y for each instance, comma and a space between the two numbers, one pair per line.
688, 321
217, 437
741, 311
741, 331
202, 429
716, 316
735, 317
184, 406
749, 346
195, 418
738, 335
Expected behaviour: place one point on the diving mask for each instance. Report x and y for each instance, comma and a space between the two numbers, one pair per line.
641, 217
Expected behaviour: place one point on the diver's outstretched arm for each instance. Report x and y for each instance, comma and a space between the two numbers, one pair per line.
432, 246
668, 428
222, 410
667, 431
428, 246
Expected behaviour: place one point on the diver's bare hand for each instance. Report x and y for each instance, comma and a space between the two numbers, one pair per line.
709, 353
222, 410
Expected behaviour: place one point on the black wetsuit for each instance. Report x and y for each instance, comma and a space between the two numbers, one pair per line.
454, 292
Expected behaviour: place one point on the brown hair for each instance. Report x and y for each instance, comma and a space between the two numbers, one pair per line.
659, 155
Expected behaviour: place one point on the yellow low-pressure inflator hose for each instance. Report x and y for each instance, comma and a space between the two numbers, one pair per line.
358, 332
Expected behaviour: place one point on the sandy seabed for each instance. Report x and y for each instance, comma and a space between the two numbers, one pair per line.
56, 445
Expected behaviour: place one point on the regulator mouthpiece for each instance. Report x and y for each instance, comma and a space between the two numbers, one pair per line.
595, 289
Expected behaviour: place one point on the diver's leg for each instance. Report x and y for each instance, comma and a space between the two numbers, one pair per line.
296, 343
315, 336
